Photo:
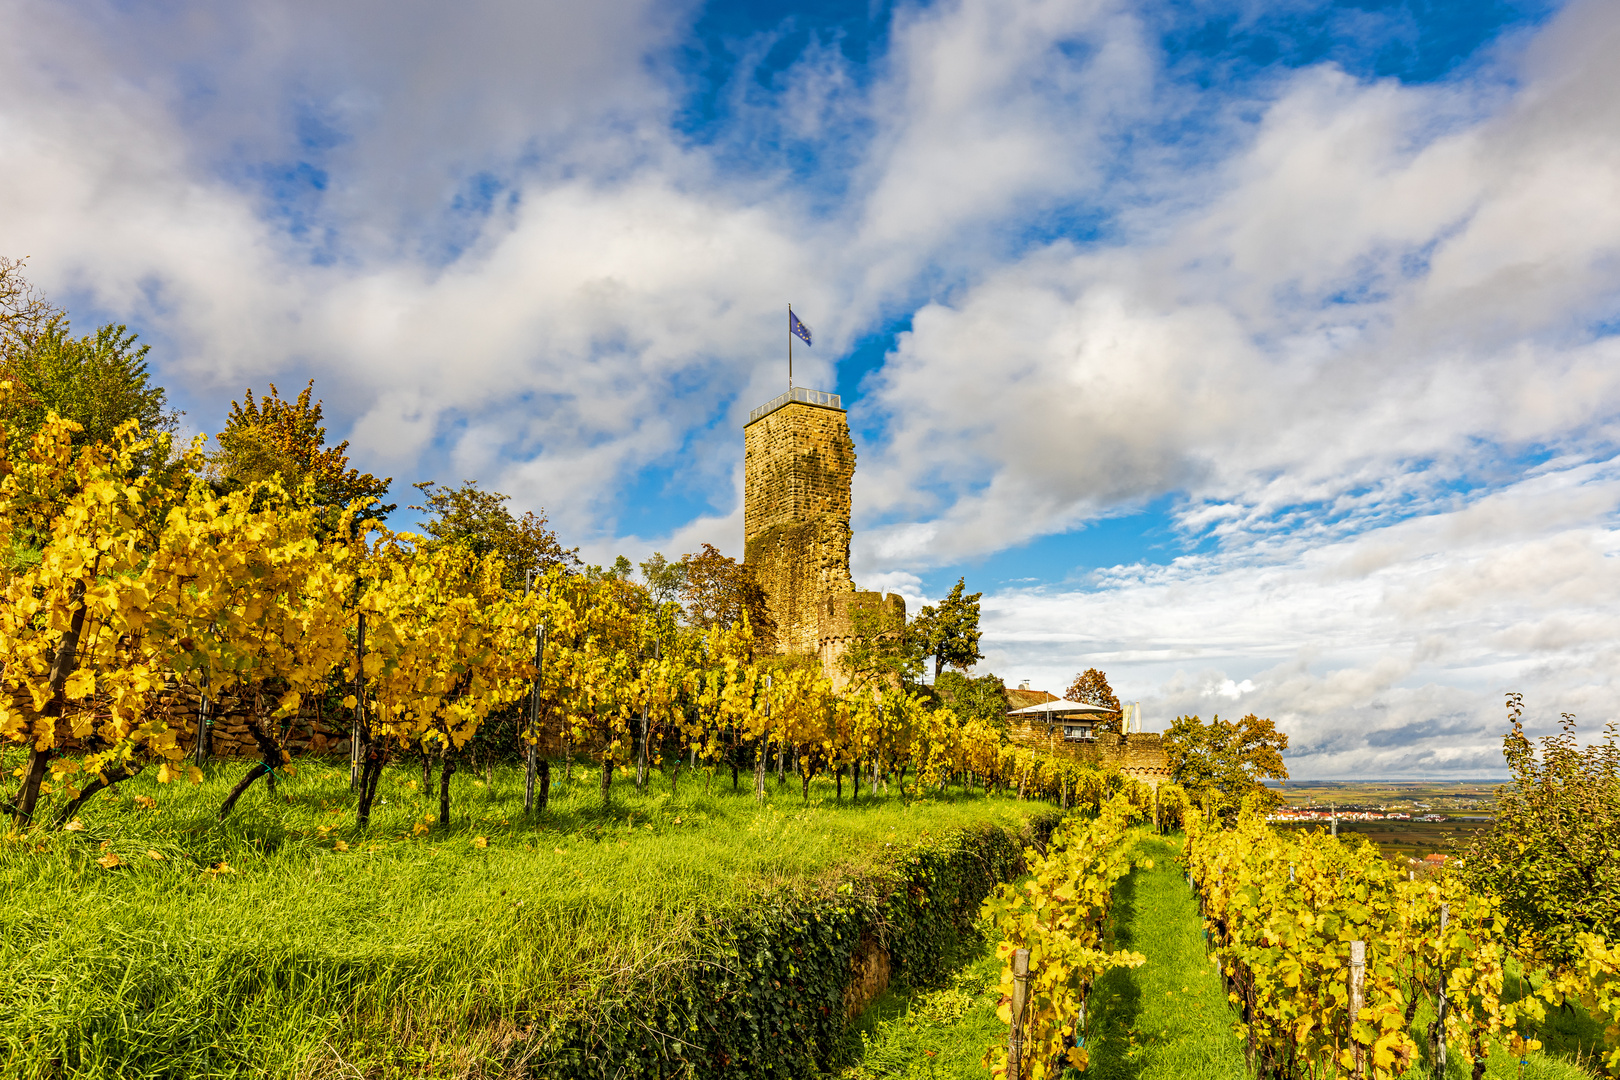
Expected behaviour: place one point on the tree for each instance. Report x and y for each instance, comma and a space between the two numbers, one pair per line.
950, 633
1222, 763
663, 577
719, 591
98, 381
1551, 852
984, 698
272, 436
24, 310
1091, 686
478, 521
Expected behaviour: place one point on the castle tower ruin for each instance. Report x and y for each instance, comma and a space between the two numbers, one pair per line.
798, 463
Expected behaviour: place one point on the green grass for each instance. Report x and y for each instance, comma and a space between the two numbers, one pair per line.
1166, 1020
405, 954
931, 1034
1169, 1017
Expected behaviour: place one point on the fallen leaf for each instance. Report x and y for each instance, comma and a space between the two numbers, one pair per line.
74, 826
110, 860
340, 846
158, 855
480, 842
558, 850
146, 802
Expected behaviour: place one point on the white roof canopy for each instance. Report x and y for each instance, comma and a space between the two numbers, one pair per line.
1061, 708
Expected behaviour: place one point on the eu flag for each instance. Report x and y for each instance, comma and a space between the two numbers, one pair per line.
797, 328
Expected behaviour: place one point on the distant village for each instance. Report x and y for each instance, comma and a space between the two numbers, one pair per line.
1317, 813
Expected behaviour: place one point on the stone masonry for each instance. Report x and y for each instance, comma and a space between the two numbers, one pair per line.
1139, 755
798, 463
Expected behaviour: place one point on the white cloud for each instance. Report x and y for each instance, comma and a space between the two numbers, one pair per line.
1383, 666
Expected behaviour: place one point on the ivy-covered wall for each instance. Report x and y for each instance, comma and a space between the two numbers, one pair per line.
769, 998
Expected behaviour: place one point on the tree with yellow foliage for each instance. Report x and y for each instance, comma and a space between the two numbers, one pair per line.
271, 436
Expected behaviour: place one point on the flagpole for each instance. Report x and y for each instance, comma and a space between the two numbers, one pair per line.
790, 346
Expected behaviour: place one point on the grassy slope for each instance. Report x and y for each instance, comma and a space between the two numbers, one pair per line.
1165, 1020
304, 954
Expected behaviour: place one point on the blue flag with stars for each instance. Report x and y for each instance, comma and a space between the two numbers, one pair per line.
797, 328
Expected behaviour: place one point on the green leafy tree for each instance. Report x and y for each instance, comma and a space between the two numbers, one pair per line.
663, 577
1221, 763
1091, 686
98, 381
984, 698
478, 520
1553, 853
950, 632
272, 436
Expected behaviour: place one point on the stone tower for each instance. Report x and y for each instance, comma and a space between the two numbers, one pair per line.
798, 464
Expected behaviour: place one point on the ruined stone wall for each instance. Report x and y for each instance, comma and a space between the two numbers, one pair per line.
798, 464
839, 614
1140, 755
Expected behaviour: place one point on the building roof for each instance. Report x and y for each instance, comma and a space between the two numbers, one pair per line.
1060, 707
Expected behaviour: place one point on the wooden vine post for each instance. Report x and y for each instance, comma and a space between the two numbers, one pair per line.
1437, 1052
355, 735
204, 726
1358, 982
1015, 1036
533, 766
762, 749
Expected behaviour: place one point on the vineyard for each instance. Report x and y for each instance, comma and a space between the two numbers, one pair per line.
577, 833
128, 597
1333, 962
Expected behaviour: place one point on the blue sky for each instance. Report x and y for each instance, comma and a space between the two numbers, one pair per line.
1263, 355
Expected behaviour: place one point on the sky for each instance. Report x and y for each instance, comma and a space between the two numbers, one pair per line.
1264, 355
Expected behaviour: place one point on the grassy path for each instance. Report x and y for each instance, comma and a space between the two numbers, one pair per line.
1167, 1019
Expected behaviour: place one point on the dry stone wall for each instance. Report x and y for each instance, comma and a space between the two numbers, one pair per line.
309, 732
